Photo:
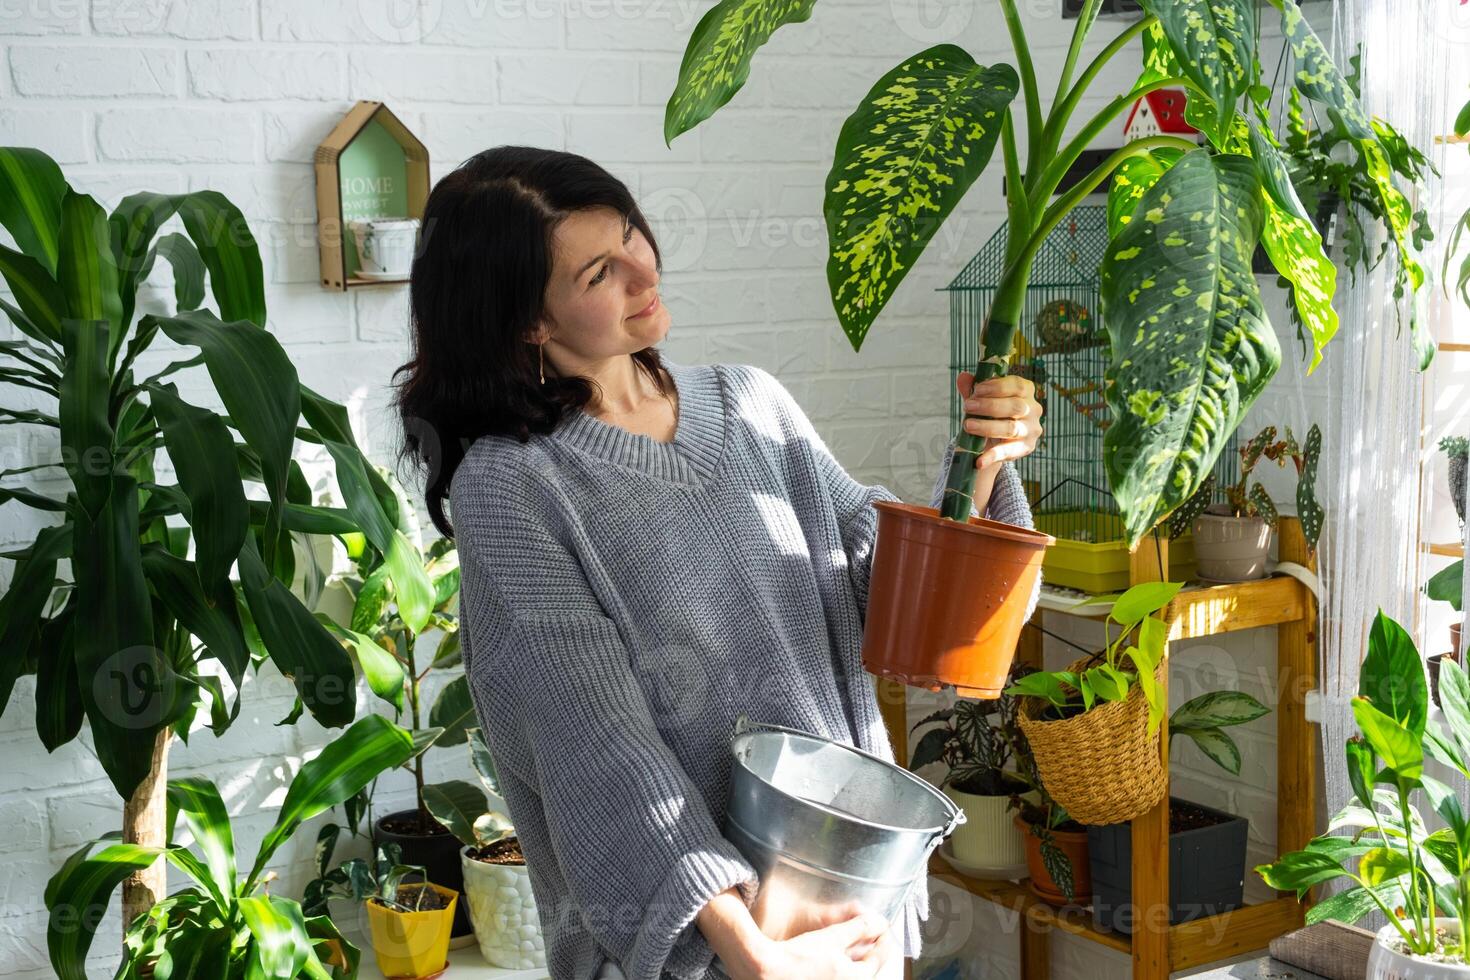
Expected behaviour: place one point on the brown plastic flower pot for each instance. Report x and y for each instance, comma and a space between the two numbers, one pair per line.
946, 601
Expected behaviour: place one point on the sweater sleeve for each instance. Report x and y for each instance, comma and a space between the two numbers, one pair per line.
556, 694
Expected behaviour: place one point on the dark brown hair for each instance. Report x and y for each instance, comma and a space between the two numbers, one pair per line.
477, 289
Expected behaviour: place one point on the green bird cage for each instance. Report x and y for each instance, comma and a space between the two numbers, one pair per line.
1062, 347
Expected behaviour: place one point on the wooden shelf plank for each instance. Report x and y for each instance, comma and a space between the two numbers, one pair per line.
1217, 937
1239, 606
1018, 898
1450, 549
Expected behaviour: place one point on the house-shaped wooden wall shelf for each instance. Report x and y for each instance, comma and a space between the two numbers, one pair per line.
369, 166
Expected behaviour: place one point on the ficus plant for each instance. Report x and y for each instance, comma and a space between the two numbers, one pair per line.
1190, 344
222, 924
1396, 865
164, 575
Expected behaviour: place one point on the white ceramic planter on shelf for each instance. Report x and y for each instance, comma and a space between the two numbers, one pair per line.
1386, 963
503, 910
989, 838
1230, 549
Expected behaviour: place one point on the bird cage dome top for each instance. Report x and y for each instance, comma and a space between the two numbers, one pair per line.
1070, 256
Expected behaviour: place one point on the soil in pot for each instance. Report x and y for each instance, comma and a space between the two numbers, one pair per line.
1071, 837
1433, 664
947, 600
507, 851
419, 898
437, 850
1206, 866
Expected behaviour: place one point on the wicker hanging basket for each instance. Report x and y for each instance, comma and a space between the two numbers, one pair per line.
1101, 765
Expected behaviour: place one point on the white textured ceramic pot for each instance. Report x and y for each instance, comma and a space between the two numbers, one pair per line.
503, 911
1385, 962
989, 837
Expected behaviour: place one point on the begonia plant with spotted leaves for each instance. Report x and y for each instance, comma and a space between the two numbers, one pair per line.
1190, 344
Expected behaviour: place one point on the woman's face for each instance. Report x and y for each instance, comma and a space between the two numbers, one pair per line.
602, 300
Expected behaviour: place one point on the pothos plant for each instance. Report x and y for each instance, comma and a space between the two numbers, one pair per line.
1247, 499
106, 606
1190, 347
1396, 865
1117, 670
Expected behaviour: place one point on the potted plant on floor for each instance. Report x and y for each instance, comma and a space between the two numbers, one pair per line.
979, 743
1207, 846
1232, 541
497, 882
1419, 880
907, 156
146, 627
221, 925
409, 922
387, 645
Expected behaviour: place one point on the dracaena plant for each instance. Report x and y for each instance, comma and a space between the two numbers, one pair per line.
222, 924
1190, 347
1247, 499
121, 639
1396, 865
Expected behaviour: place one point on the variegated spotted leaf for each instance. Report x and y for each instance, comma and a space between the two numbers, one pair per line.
1317, 75
1251, 454
1275, 177
1396, 208
717, 58
904, 159
1183, 517
1214, 45
1132, 179
1191, 346
1263, 505
1158, 58
1295, 248
1307, 507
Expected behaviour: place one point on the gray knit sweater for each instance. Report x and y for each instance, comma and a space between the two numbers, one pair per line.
623, 600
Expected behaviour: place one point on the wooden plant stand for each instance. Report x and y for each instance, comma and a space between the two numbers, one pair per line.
1158, 948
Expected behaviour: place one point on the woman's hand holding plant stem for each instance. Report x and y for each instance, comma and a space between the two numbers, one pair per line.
1005, 411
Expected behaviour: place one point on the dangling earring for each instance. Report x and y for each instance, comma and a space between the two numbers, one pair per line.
541, 354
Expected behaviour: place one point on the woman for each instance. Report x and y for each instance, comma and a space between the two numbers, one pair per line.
648, 550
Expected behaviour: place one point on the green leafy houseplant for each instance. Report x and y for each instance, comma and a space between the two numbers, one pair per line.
1395, 864
1461, 277
122, 642
222, 924
1247, 499
1457, 451
1190, 344
979, 743
1330, 169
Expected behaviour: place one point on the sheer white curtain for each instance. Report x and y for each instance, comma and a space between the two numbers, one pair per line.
1413, 57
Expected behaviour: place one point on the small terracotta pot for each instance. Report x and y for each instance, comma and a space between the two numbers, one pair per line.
946, 601
1455, 640
1073, 844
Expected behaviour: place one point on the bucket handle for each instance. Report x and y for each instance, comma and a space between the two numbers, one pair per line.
743, 724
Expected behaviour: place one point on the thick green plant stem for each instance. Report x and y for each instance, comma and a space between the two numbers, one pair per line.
1029, 89
1085, 19
999, 336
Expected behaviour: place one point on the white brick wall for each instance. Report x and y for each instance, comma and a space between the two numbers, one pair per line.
235, 95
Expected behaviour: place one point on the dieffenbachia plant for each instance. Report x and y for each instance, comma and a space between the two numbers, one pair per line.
1191, 347
1396, 865
120, 642
222, 924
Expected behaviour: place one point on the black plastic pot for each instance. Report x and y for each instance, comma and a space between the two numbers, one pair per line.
1433, 664
439, 854
1206, 869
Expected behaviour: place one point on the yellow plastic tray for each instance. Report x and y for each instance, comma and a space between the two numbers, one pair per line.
1100, 566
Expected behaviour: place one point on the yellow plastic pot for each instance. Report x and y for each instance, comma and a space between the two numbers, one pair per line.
412, 944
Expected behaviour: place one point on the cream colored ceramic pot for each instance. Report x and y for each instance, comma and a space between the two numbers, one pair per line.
503, 911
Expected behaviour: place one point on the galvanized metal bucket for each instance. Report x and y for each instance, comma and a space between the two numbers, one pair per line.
826, 824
